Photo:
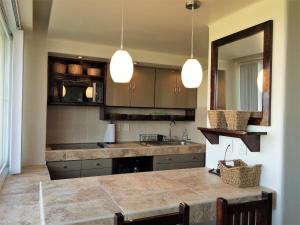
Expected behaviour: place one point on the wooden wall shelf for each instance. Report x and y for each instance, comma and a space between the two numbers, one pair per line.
106, 114
140, 117
251, 139
75, 103
72, 76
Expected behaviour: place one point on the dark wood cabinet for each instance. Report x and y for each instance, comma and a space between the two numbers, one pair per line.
73, 81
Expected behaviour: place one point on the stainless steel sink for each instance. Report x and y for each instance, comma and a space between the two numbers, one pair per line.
171, 143
77, 146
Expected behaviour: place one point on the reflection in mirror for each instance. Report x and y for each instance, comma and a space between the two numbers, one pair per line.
239, 78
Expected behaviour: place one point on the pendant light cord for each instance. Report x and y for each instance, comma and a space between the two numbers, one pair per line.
122, 27
192, 39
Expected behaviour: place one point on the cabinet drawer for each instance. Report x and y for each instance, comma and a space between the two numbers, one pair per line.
96, 163
179, 158
96, 172
173, 166
64, 166
64, 174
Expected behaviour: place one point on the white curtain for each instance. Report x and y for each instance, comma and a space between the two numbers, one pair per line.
248, 86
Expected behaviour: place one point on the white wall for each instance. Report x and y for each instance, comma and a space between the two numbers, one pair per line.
271, 155
292, 120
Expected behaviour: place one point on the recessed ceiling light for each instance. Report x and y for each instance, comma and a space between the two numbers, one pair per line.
79, 57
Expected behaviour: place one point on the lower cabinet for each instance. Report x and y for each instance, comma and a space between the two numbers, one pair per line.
182, 161
80, 168
100, 167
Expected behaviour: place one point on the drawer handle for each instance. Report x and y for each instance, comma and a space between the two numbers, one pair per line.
169, 159
65, 167
98, 164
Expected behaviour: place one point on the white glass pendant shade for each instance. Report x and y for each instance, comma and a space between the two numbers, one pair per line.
121, 67
191, 73
260, 81
89, 92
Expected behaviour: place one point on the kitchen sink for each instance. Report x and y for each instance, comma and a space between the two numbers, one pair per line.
77, 146
170, 143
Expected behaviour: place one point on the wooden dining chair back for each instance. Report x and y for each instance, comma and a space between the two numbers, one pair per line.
257, 212
179, 218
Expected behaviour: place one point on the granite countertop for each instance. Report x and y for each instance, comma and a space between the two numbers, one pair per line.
19, 196
129, 149
95, 200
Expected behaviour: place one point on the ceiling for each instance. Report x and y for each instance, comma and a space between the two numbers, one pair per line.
239, 49
154, 25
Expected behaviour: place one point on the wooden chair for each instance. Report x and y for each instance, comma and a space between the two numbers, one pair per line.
179, 218
249, 213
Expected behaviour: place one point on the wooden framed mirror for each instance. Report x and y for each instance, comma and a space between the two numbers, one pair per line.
241, 72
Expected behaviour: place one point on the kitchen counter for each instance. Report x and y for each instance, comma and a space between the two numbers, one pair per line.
19, 196
118, 150
95, 200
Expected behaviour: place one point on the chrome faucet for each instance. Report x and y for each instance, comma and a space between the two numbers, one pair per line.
170, 129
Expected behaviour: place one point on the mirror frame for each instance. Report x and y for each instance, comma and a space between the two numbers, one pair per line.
257, 118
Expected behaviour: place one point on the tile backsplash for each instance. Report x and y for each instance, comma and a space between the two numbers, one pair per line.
79, 124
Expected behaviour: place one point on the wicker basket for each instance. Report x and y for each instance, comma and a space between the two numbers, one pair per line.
240, 175
75, 69
94, 72
217, 119
237, 120
58, 67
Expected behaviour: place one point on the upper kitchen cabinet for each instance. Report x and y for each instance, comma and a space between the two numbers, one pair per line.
117, 94
138, 93
170, 92
142, 87
165, 88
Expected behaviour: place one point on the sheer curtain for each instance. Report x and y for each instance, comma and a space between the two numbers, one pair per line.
5, 119
248, 86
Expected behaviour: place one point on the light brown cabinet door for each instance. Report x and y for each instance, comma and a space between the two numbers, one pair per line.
186, 97
142, 87
165, 88
116, 94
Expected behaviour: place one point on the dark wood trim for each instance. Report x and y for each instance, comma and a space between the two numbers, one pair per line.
267, 28
251, 139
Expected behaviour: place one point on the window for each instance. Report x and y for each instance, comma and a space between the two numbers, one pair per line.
5, 62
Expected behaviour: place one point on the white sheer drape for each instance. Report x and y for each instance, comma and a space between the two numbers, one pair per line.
248, 86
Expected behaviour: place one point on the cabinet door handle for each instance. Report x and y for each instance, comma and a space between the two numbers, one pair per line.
65, 167
98, 164
178, 89
129, 88
169, 159
133, 86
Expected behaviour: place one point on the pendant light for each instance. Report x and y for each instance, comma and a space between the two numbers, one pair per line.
121, 64
191, 73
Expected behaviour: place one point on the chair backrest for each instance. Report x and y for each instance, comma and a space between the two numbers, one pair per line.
179, 218
249, 213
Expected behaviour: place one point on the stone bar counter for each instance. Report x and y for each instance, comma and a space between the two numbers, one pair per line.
95, 200
130, 149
